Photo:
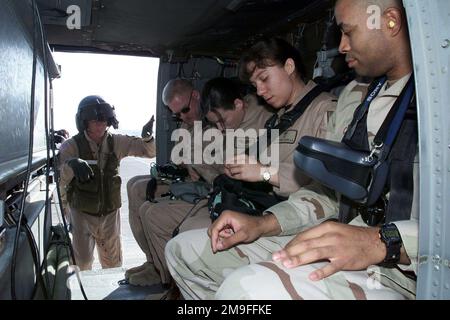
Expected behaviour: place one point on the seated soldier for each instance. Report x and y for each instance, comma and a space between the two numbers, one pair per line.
159, 220
274, 67
183, 100
290, 252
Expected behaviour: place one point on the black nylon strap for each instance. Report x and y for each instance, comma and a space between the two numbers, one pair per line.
346, 212
360, 139
385, 127
150, 190
402, 165
356, 136
289, 118
400, 158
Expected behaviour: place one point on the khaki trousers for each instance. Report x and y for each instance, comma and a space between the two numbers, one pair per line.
161, 219
136, 189
104, 232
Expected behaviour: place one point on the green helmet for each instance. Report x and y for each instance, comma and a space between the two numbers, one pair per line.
95, 108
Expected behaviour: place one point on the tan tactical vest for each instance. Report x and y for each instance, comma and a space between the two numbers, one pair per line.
100, 195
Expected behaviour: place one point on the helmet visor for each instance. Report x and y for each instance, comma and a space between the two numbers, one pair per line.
99, 112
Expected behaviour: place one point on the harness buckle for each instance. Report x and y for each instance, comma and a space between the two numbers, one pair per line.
375, 151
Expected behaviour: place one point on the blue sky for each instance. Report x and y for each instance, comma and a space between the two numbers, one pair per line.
129, 83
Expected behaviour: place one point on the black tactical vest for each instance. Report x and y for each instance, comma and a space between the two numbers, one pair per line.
100, 195
400, 180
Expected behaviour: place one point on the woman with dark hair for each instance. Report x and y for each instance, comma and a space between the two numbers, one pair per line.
270, 52
274, 67
226, 104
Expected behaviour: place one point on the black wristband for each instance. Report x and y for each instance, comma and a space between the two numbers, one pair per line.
390, 235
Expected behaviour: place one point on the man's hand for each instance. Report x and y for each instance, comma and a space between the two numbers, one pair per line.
60, 136
233, 228
346, 247
81, 170
64, 133
147, 129
244, 168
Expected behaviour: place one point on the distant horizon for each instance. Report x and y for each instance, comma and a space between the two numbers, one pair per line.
136, 133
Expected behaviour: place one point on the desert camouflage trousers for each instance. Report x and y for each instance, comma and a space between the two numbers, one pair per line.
247, 272
102, 232
152, 224
136, 190
159, 220
272, 281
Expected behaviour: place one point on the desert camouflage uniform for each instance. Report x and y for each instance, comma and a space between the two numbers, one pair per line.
136, 190
160, 220
138, 207
103, 231
246, 271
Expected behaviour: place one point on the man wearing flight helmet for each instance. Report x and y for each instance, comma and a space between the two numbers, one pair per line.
90, 181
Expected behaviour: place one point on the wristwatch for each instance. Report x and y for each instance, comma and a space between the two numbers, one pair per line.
390, 235
266, 176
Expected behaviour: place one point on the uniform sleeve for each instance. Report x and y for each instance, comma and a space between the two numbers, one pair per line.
314, 203
125, 146
305, 208
67, 151
289, 177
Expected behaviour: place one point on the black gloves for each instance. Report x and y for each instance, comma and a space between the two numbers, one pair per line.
60, 136
81, 170
147, 129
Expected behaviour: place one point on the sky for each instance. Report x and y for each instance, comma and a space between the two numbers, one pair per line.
129, 83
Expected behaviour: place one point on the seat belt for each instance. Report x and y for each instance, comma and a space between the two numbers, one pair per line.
289, 118
398, 134
356, 137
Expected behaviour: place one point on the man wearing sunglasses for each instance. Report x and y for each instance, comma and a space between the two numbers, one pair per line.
158, 221
183, 100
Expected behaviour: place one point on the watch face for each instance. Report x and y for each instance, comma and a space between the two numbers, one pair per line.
391, 233
266, 176
393, 241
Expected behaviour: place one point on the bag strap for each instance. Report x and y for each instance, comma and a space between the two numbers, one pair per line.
386, 136
391, 126
356, 135
150, 190
289, 118
395, 148
401, 176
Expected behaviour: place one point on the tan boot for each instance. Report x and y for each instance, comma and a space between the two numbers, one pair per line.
130, 271
146, 277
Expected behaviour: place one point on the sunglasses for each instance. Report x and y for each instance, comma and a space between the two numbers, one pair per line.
186, 109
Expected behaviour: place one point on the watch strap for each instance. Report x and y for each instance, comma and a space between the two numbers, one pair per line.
390, 236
